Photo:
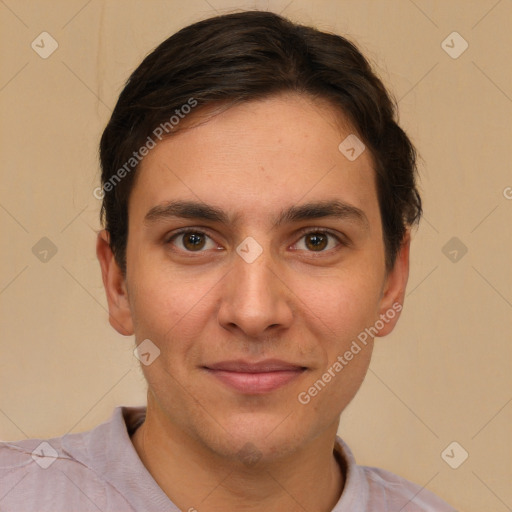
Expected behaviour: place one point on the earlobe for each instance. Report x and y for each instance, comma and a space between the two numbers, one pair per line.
393, 293
120, 317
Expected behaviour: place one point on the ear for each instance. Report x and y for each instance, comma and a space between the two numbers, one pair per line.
393, 291
120, 316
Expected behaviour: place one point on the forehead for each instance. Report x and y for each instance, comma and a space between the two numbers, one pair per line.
257, 157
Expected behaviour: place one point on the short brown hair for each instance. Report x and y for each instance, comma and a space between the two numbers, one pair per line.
245, 56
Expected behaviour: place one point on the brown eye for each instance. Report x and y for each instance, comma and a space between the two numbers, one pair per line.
316, 241
191, 241
319, 241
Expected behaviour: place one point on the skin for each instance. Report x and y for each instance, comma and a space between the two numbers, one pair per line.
294, 302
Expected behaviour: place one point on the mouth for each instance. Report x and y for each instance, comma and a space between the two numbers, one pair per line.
255, 378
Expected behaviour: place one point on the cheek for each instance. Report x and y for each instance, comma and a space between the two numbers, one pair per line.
164, 302
341, 305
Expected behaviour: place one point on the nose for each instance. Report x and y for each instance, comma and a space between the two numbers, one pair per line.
254, 299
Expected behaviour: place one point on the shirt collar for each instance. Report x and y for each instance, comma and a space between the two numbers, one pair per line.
111, 451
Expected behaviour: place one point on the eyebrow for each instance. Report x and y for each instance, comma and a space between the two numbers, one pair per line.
309, 211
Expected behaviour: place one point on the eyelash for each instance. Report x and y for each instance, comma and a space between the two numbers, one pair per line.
341, 241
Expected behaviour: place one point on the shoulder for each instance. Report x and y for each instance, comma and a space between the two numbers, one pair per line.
370, 489
55, 474
42, 475
396, 491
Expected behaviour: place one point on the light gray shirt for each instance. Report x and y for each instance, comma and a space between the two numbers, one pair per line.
100, 470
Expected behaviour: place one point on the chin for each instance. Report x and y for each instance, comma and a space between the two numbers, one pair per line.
252, 437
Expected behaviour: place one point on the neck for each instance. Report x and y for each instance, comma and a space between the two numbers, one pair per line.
194, 478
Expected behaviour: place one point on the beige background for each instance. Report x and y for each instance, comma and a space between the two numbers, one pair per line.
445, 373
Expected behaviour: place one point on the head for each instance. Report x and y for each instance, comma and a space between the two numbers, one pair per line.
274, 148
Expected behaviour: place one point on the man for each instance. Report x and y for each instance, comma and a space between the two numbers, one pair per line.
258, 197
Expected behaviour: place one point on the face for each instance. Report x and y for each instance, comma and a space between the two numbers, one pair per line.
255, 259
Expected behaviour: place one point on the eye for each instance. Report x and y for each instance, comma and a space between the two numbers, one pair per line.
191, 241
318, 241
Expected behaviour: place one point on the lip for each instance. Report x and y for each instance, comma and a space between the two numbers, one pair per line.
255, 377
